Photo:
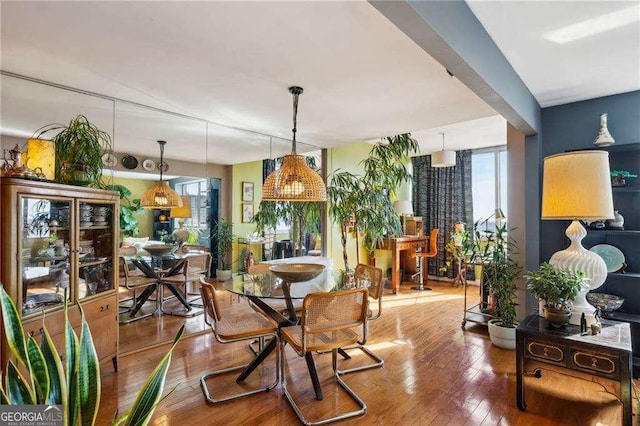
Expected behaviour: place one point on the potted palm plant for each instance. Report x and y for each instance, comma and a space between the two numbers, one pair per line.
80, 146
224, 236
557, 287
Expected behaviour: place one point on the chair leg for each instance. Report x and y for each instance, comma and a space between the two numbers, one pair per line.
421, 286
210, 399
125, 310
334, 353
379, 362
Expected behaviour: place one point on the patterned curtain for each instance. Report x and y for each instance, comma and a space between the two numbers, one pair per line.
442, 196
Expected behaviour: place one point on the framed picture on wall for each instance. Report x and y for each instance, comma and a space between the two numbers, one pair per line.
247, 191
247, 213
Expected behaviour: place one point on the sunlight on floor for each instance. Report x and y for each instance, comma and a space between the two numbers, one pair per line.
431, 298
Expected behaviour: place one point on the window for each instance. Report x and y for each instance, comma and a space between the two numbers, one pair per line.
489, 184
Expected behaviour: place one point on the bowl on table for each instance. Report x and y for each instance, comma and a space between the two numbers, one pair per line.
606, 302
296, 272
160, 250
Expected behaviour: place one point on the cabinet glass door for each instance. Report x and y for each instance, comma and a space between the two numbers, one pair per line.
45, 250
95, 247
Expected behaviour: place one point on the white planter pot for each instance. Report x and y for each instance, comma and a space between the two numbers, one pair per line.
223, 274
502, 337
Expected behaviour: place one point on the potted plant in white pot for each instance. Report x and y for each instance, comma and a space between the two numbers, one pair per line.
224, 237
557, 287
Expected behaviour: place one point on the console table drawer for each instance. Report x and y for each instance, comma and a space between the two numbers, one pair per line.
597, 363
546, 351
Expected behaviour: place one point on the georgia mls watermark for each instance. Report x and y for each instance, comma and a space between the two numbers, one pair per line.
31, 415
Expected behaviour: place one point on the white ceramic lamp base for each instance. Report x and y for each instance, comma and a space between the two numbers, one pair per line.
577, 258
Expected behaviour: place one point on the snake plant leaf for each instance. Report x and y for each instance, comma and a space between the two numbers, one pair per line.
150, 395
57, 384
39, 369
88, 376
71, 351
13, 328
18, 391
4, 400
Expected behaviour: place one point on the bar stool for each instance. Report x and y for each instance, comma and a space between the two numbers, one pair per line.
424, 257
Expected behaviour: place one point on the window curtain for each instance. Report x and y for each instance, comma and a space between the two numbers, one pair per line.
442, 197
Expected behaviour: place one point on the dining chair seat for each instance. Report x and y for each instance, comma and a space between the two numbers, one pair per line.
236, 323
329, 321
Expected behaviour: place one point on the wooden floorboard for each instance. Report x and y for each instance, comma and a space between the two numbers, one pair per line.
435, 373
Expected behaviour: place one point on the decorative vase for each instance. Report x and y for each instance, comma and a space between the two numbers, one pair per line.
604, 138
617, 221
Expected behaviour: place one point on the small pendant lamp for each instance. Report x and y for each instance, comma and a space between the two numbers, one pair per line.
294, 180
443, 158
160, 195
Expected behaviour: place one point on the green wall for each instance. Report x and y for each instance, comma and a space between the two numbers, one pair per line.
251, 173
137, 187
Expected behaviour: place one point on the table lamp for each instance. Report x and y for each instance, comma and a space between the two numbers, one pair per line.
181, 213
577, 185
404, 208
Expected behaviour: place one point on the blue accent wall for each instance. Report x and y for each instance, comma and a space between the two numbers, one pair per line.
575, 126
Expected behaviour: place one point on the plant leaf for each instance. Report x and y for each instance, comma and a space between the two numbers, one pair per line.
57, 384
18, 391
88, 376
71, 348
142, 410
13, 328
39, 368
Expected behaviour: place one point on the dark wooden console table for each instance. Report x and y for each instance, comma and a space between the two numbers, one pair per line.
606, 355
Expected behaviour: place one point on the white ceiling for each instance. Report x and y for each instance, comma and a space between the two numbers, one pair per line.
231, 63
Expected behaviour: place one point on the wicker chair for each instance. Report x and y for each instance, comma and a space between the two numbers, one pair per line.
132, 283
329, 321
238, 324
369, 277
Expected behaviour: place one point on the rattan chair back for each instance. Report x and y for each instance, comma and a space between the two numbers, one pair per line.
371, 277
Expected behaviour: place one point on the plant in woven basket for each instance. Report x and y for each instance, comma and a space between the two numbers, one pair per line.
74, 385
79, 149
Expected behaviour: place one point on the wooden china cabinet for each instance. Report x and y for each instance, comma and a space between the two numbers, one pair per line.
56, 238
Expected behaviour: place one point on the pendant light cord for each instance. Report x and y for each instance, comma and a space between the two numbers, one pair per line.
442, 141
161, 143
295, 91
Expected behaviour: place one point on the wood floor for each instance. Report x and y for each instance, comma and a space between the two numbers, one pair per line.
434, 374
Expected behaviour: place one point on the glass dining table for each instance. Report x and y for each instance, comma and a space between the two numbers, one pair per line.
265, 290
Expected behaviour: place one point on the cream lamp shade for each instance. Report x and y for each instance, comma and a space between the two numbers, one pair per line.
294, 180
403, 207
577, 185
41, 157
443, 159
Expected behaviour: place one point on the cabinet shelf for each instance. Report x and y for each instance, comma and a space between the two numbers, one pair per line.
95, 262
626, 275
614, 232
625, 189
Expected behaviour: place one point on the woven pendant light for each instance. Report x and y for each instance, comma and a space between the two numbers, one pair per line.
160, 195
294, 180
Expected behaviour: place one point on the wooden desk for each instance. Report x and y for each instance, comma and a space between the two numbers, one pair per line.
397, 245
606, 355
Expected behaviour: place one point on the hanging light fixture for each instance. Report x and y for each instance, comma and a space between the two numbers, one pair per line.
294, 180
443, 158
160, 195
